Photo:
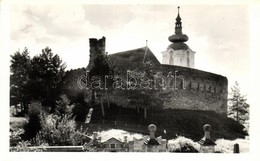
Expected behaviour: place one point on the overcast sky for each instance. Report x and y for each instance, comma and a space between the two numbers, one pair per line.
219, 34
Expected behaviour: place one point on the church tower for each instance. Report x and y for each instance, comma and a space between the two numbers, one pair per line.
178, 53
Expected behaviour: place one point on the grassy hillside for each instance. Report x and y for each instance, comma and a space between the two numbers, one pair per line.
176, 122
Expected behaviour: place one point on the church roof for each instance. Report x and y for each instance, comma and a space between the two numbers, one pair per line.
178, 38
135, 58
112, 140
178, 18
178, 46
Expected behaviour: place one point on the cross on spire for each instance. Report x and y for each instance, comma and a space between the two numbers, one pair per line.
178, 21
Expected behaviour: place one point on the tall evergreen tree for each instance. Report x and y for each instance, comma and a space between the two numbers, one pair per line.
19, 79
63, 106
46, 73
238, 106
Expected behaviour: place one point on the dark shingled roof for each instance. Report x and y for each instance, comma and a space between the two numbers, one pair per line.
178, 38
112, 139
132, 59
178, 46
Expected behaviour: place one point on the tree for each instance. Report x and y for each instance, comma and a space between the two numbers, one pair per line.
145, 98
238, 106
100, 67
38, 78
46, 73
19, 79
70, 86
63, 106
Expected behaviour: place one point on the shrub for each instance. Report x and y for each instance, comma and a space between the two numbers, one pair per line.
15, 136
63, 106
59, 131
79, 137
80, 111
16, 129
182, 144
23, 146
33, 126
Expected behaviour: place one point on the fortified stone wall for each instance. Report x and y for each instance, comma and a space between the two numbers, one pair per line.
193, 89
197, 90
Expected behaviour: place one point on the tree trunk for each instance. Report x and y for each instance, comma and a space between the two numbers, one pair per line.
108, 103
102, 108
145, 113
237, 116
22, 107
138, 110
237, 111
25, 106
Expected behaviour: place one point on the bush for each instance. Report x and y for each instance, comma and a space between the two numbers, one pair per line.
80, 112
79, 137
23, 146
182, 144
16, 129
15, 136
34, 125
63, 106
59, 131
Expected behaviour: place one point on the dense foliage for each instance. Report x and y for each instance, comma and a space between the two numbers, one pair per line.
183, 145
19, 79
60, 127
24, 146
61, 131
38, 78
69, 85
43, 128
33, 126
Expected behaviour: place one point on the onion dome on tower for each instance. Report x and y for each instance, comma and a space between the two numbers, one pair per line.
178, 53
178, 36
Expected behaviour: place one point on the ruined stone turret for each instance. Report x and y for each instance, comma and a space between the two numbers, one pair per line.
96, 47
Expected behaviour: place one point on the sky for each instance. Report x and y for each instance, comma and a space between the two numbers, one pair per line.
219, 34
